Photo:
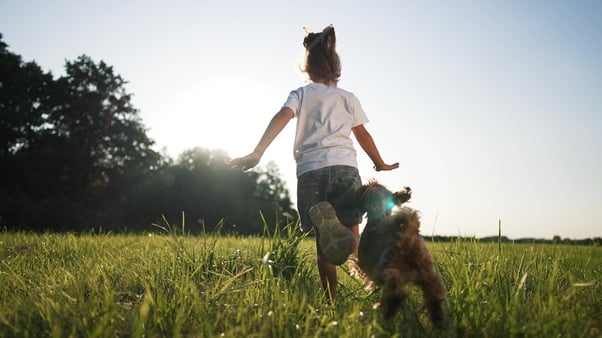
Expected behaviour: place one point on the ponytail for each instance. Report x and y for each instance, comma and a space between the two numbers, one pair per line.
322, 61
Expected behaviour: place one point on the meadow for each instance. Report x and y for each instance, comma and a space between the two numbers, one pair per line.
168, 283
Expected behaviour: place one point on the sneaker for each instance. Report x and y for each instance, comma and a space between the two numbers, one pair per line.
335, 239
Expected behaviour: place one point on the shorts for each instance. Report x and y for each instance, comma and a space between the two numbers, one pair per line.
335, 184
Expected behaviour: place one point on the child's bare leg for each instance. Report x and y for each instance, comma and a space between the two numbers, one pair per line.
355, 229
328, 277
328, 271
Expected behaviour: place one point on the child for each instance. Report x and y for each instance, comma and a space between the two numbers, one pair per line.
326, 159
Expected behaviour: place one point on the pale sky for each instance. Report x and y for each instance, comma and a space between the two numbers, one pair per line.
493, 108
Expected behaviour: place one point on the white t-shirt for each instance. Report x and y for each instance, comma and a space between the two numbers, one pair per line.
325, 116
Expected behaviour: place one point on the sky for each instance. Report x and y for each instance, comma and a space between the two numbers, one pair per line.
492, 108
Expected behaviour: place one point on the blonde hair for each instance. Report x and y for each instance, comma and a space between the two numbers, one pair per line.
322, 62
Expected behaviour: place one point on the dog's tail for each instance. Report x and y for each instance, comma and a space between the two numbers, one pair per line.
402, 196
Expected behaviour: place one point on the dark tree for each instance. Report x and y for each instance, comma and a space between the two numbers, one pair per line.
272, 191
103, 146
104, 138
24, 106
68, 147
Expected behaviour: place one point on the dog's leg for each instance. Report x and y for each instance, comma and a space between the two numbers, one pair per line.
394, 292
434, 296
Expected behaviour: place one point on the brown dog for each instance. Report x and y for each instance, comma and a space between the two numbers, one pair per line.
392, 253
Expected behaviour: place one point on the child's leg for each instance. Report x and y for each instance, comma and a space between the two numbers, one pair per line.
328, 275
328, 271
355, 229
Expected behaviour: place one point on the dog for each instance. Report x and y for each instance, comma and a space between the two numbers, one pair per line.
392, 254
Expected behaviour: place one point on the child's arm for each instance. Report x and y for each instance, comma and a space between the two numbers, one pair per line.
278, 122
366, 141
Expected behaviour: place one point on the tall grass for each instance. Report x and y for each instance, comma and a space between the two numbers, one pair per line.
170, 283
526, 290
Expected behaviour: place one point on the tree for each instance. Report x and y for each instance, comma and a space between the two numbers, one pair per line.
24, 106
102, 143
272, 190
23, 92
71, 145
94, 114
23, 95
210, 193
201, 185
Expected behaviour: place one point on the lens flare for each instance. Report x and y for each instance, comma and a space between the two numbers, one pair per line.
390, 204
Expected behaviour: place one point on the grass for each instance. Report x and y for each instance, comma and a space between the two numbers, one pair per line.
173, 284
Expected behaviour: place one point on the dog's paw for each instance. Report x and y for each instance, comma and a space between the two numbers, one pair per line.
390, 306
403, 195
438, 313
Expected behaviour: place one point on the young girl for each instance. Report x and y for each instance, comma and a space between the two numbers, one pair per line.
326, 159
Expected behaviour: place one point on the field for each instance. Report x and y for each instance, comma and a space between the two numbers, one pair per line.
172, 284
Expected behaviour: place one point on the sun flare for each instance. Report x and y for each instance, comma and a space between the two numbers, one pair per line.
224, 114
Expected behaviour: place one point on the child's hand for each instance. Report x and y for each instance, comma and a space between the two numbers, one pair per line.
245, 162
386, 167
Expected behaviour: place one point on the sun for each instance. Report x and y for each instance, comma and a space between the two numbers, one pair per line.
228, 114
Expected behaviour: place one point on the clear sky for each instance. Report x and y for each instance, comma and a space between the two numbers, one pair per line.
493, 108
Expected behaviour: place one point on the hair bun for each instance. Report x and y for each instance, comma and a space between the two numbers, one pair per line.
311, 40
325, 37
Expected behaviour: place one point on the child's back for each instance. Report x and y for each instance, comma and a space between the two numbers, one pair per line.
326, 159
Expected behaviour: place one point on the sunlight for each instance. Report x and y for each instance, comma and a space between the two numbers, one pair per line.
224, 114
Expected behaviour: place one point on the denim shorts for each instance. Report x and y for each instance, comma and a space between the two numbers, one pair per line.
335, 184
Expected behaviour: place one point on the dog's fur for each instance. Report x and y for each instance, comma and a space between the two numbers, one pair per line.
392, 253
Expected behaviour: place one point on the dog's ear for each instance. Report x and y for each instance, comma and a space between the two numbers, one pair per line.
402, 196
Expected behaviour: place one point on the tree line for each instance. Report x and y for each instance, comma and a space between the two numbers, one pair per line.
75, 156
524, 240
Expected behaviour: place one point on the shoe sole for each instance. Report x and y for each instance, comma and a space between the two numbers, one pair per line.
335, 239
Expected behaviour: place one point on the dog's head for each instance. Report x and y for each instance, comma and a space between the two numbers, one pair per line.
378, 201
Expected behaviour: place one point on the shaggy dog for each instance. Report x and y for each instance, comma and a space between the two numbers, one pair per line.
392, 254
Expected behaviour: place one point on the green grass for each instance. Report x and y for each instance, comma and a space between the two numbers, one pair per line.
171, 284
